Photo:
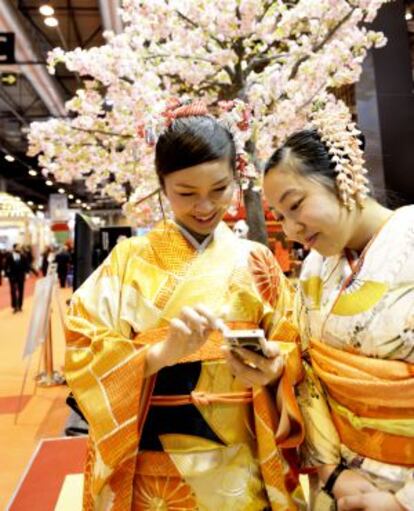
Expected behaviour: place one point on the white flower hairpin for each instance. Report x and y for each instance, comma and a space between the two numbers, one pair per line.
332, 120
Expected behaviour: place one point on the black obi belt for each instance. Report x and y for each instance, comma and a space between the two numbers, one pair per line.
180, 379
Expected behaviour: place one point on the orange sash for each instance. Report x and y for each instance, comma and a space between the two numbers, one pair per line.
369, 388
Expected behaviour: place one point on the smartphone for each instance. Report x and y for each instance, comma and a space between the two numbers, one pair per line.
247, 339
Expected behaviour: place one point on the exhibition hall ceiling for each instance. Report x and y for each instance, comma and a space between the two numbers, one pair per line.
27, 91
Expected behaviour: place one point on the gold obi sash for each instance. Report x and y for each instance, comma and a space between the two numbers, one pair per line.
371, 401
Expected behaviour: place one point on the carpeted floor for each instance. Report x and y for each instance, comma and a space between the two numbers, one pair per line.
43, 412
42, 484
5, 299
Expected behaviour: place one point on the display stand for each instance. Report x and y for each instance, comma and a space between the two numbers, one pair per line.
40, 332
50, 377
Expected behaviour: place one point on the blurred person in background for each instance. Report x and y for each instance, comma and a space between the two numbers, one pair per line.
28, 253
16, 267
63, 260
47, 257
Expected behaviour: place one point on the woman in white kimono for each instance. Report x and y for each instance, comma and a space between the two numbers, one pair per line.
355, 312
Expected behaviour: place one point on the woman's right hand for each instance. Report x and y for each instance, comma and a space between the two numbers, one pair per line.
186, 335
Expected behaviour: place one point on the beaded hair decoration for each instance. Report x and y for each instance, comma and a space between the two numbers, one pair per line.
232, 115
332, 120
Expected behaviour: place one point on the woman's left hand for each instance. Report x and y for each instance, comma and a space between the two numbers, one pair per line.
375, 501
267, 369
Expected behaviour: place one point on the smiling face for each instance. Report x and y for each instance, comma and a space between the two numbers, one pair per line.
309, 211
200, 195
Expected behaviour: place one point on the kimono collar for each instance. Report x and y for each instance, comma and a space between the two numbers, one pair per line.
200, 247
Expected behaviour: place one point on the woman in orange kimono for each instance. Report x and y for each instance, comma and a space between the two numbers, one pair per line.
355, 313
171, 428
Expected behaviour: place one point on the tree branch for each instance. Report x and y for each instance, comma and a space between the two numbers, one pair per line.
316, 48
103, 132
194, 25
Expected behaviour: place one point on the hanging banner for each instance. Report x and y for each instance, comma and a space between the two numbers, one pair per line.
58, 207
39, 322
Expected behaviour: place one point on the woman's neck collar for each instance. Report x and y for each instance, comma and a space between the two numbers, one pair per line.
199, 238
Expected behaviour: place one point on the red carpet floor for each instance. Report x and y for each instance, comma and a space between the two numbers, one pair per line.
54, 459
13, 404
5, 299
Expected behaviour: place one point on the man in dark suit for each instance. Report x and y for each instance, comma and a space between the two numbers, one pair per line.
16, 268
62, 259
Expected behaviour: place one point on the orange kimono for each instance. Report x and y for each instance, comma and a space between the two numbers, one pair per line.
153, 445
356, 320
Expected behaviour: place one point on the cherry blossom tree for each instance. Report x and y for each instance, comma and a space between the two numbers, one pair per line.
277, 56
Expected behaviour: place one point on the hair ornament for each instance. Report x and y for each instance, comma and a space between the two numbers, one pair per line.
176, 109
150, 129
332, 120
236, 116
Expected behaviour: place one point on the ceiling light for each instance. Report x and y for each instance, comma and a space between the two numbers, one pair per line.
70, 196
61, 190
32, 172
9, 157
40, 206
49, 183
50, 21
88, 208
30, 203
408, 15
78, 201
84, 204
46, 10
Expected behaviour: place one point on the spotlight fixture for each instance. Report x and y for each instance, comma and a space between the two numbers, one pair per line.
49, 183
70, 196
78, 201
408, 15
61, 190
84, 204
32, 172
50, 21
9, 157
40, 206
30, 203
46, 10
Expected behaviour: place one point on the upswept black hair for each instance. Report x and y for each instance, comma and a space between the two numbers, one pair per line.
311, 154
190, 141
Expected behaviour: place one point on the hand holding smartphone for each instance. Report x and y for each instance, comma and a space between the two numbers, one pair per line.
247, 339
252, 359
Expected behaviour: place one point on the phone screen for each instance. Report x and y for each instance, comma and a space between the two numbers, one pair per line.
247, 339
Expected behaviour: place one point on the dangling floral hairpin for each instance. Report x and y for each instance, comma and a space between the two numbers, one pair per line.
236, 116
332, 120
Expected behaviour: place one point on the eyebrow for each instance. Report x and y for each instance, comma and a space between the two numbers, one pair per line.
287, 193
217, 183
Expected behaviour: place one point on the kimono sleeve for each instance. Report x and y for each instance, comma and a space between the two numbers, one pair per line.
321, 445
104, 367
277, 296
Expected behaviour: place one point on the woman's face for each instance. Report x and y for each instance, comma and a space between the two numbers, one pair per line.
310, 213
200, 195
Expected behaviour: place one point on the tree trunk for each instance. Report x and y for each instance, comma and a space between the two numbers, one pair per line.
253, 203
255, 215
